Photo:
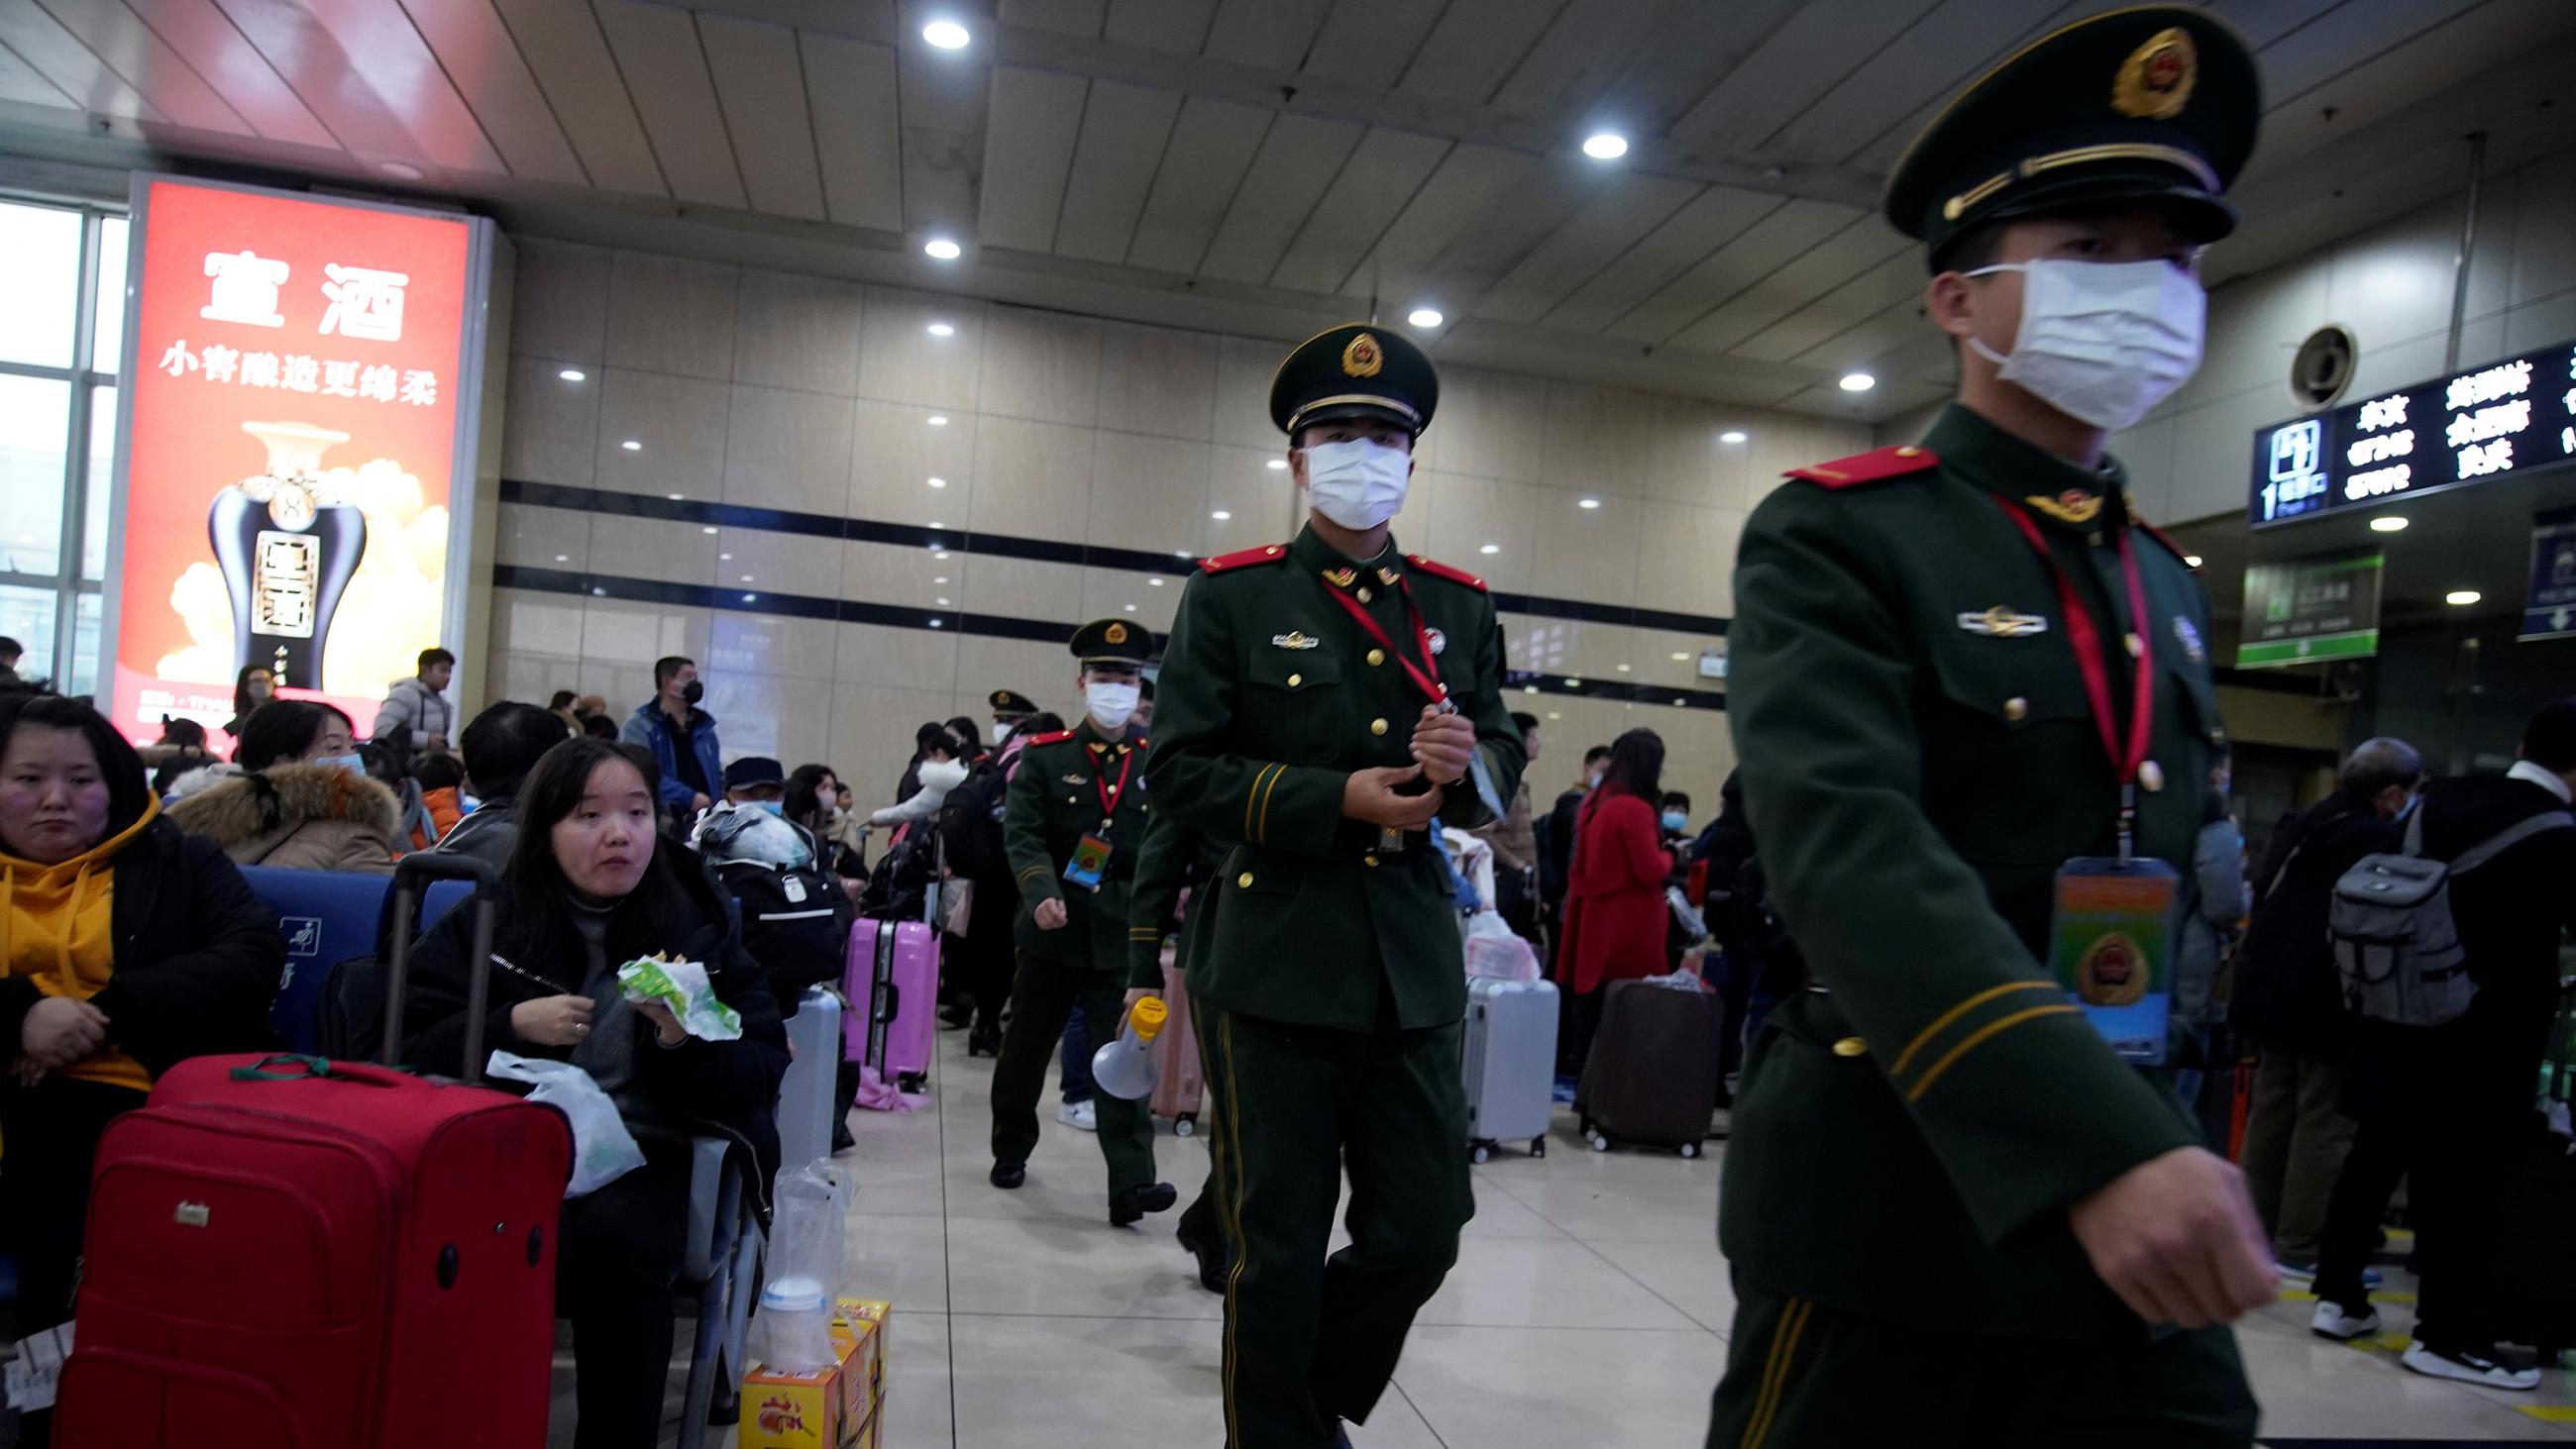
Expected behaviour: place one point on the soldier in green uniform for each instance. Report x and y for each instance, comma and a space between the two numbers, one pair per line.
1955, 1214
1178, 858
1073, 822
1322, 701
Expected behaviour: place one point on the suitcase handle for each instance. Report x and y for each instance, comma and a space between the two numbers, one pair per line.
409, 873
316, 1069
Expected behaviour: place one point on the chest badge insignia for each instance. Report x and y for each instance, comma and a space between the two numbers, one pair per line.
2001, 622
1076, 779
2189, 634
1341, 578
1293, 640
1439, 641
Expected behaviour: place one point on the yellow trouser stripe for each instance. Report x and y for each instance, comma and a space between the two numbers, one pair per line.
1941, 1022
1933, 1073
1775, 1372
1232, 1210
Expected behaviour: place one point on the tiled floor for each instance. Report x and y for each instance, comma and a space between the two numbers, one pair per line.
1589, 1306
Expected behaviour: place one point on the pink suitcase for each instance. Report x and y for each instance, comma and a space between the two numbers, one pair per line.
894, 968
1180, 1088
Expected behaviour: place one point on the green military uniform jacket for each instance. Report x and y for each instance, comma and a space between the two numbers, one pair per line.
1270, 696
1918, 759
1175, 857
1053, 801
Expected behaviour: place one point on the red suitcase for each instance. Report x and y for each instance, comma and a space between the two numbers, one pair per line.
288, 1253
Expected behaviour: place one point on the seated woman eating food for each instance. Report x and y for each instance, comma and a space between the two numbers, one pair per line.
591, 885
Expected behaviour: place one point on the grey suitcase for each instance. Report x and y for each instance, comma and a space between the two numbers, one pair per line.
805, 1094
1510, 1064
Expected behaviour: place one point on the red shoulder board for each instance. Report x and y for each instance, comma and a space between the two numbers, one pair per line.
1869, 467
1267, 553
1057, 737
1439, 570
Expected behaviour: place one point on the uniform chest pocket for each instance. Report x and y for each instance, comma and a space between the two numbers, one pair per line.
2008, 746
1296, 701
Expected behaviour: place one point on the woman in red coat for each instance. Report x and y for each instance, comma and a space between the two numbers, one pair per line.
1614, 900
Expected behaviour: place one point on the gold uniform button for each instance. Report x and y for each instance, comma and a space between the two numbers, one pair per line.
1295, 679
1368, 860
1909, 451
2137, 646
2016, 709
1851, 1046
2151, 776
1243, 881
1377, 726
1365, 596
1377, 656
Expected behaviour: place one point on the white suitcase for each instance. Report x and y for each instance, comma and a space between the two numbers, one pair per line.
805, 1094
1510, 1064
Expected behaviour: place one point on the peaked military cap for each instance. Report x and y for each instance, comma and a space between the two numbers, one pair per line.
1011, 702
1113, 641
1356, 369
2153, 102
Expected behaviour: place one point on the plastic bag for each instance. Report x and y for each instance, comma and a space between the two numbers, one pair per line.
1687, 916
808, 1228
683, 987
602, 1149
1495, 952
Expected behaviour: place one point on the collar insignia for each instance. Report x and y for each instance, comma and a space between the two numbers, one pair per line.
2001, 622
1294, 640
1388, 577
1341, 578
2075, 506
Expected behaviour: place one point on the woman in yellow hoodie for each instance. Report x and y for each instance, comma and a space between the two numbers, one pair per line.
124, 947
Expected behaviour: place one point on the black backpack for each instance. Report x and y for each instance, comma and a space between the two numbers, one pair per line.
970, 826
899, 888
795, 923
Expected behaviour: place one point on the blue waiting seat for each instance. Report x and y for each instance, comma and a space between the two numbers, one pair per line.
327, 917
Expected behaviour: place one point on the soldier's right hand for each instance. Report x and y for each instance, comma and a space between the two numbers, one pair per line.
2177, 1238
1050, 914
1370, 796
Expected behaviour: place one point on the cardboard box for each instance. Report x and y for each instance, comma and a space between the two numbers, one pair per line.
865, 1320
868, 1434
834, 1409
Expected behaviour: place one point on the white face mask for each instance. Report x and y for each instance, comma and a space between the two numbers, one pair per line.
1110, 704
1357, 484
2103, 342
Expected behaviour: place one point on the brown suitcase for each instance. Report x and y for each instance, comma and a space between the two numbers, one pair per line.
1652, 1075
1180, 1089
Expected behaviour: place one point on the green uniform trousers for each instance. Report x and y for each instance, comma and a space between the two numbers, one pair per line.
1309, 1338
1042, 998
1800, 1376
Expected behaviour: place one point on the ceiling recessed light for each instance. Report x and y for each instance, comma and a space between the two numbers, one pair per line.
935, 523
941, 248
2462, 598
1588, 503
943, 578
1491, 548
1857, 382
746, 578
1221, 515
1556, 714
2192, 559
938, 482
1131, 608
1529, 689
937, 420
942, 556
935, 623
632, 446
1154, 583
1425, 317
1180, 553
724, 558
710, 528
751, 598
946, 34
941, 329
563, 558
1573, 683
1680, 658
674, 497
1280, 464
1731, 435
2388, 523
401, 170
1623, 669
572, 374
942, 601
1605, 145
1680, 701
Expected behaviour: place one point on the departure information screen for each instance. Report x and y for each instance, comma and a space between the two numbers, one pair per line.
2494, 421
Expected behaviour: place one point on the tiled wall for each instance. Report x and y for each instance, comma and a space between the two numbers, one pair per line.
1069, 451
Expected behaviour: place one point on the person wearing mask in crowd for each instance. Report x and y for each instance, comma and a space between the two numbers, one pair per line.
591, 886
564, 707
937, 771
11, 651
2216, 901
1674, 818
1044, 722
2286, 1003
303, 801
1958, 666
181, 748
1011, 710
501, 746
441, 779
1322, 701
1556, 842
1073, 822
970, 740
1515, 842
2448, 1108
833, 829
418, 707
127, 946
932, 735
1615, 913
681, 736
979, 863
1144, 704
253, 687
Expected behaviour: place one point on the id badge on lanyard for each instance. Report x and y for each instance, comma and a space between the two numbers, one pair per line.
1091, 853
2111, 924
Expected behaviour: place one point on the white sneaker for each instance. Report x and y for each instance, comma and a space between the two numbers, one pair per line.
1080, 1115
2469, 1367
2331, 1321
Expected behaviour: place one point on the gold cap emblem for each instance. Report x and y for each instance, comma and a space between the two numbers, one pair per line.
2155, 82
1363, 357
1115, 633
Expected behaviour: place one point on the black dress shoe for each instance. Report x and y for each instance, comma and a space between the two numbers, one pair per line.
1008, 1175
1214, 1261
955, 1018
1135, 1202
983, 1041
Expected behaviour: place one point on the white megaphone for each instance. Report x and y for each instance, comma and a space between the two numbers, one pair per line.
1125, 1068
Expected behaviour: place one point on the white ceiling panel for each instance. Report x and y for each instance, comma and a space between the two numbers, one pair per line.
1028, 151
1177, 26
760, 83
569, 56
947, 100
1212, 146
58, 55
1894, 280
1803, 59
2265, 21
666, 72
2358, 29
1063, 17
309, 59
1297, 160
1815, 271
1708, 221
1546, 198
386, 51
1383, 173
475, 49
120, 38
1894, 327
1764, 247
850, 88
216, 51
20, 83
1370, 42
1269, 34
1624, 211
1958, 39
1476, 47
1123, 131
2403, 76
1587, 46
1470, 183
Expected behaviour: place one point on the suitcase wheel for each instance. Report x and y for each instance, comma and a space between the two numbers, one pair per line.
1186, 1125
1690, 1149
1480, 1153
911, 1081
1600, 1142
1538, 1147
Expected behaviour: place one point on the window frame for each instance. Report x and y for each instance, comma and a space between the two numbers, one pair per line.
66, 582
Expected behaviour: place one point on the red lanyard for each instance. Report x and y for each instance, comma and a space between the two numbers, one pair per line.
1426, 676
1109, 793
2085, 637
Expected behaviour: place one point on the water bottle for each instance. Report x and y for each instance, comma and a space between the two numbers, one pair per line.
1125, 1068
